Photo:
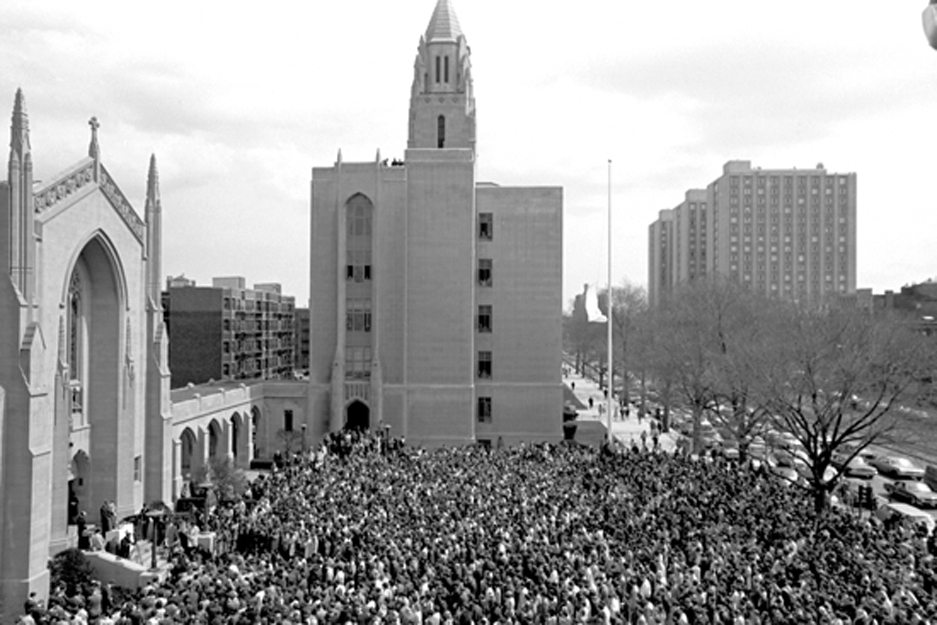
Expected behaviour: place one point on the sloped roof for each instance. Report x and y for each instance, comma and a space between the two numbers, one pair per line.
444, 25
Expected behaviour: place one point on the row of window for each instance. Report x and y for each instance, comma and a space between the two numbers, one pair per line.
789, 180
252, 367
258, 345
257, 305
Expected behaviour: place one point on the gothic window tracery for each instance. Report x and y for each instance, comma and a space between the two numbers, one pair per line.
74, 326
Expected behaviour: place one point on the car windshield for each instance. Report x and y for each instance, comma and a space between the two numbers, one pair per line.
903, 462
918, 487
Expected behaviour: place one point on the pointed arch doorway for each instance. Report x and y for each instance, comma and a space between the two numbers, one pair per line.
357, 416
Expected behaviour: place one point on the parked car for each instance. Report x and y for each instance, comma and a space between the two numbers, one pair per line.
897, 467
784, 468
906, 514
730, 448
857, 467
930, 476
915, 493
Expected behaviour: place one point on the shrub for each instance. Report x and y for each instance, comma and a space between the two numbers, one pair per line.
72, 569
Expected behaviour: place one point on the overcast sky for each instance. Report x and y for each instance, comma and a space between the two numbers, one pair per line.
240, 100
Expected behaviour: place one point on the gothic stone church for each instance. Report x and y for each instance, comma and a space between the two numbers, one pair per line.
84, 385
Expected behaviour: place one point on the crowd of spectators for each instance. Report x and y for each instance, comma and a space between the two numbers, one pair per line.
371, 532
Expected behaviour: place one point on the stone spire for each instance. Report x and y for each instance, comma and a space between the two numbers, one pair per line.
442, 103
444, 25
19, 129
152, 183
19, 255
154, 235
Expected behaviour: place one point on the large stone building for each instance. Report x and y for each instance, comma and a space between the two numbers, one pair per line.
228, 331
84, 382
435, 306
782, 232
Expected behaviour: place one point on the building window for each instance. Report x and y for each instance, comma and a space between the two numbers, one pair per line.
288, 420
484, 410
446, 65
358, 315
484, 271
440, 130
437, 69
74, 327
358, 265
486, 226
358, 221
484, 365
358, 363
484, 318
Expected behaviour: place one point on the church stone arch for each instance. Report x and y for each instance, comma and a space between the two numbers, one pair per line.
93, 332
215, 444
357, 415
189, 452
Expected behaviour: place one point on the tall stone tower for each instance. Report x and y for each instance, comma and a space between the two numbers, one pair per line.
442, 104
423, 321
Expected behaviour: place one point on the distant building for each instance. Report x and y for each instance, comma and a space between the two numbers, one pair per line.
301, 339
436, 299
918, 302
229, 332
783, 232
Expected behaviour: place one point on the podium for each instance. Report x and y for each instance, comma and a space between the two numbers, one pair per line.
206, 540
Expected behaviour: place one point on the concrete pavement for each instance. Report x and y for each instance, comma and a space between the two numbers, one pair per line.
580, 389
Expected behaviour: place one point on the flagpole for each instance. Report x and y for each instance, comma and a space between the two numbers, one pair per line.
609, 385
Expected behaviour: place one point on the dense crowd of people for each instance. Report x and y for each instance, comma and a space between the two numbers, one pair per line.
369, 532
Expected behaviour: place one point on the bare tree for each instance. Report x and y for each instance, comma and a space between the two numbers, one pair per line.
834, 381
292, 441
744, 339
688, 336
629, 303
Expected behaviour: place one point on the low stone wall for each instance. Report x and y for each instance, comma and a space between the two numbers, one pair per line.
109, 568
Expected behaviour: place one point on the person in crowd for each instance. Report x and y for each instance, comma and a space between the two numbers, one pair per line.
557, 534
84, 540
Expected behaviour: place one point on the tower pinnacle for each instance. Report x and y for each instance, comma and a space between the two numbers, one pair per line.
152, 183
442, 103
154, 235
19, 128
444, 25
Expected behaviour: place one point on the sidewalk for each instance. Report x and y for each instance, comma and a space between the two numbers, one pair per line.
626, 431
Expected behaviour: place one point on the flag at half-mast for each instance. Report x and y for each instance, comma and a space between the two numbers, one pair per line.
591, 299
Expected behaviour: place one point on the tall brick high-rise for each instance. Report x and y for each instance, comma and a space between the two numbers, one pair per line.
782, 232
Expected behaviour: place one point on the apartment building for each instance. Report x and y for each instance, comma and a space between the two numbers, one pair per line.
782, 232
228, 331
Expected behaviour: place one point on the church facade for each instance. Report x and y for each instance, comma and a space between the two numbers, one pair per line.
435, 299
84, 383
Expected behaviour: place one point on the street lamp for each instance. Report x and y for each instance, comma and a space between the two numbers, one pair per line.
929, 18
155, 517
